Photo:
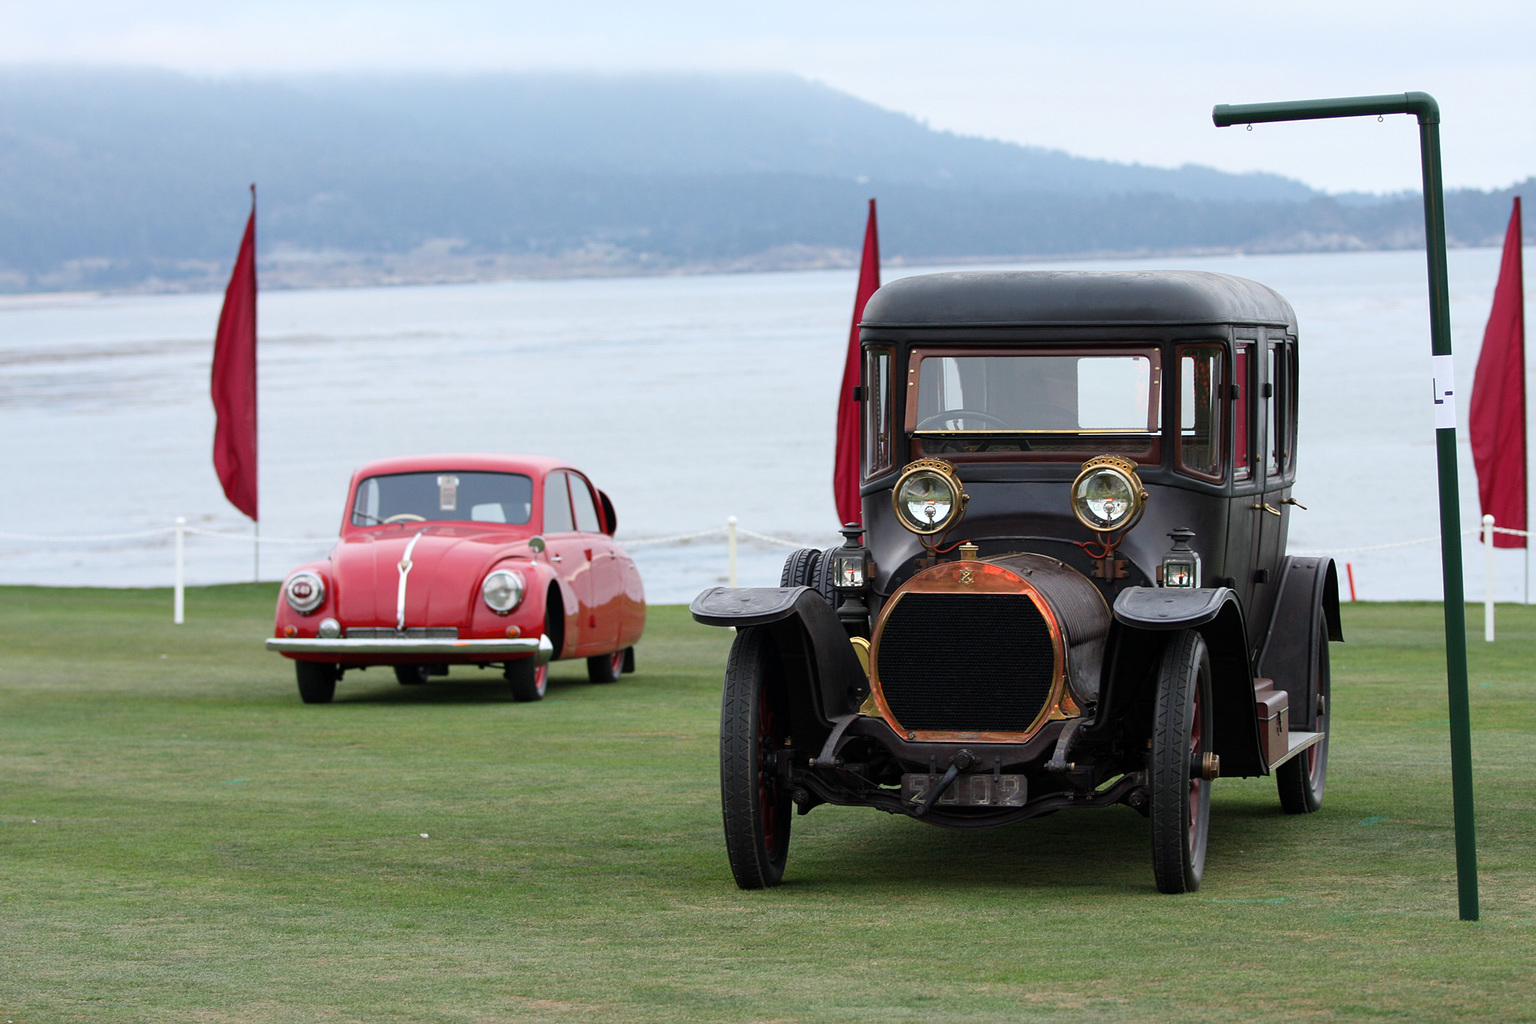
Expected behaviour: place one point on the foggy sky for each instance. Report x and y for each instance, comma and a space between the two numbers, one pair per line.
1121, 80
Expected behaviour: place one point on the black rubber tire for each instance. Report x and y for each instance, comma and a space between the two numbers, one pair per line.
606, 668
411, 675
317, 681
1181, 733
528, 678
754, 799
821, 578
800, 568
629, 660
1302, 779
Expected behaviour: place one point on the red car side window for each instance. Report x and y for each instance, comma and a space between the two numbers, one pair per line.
581, 501
557, 505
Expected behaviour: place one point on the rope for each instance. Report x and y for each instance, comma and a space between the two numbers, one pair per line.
678, 539
83, 539
783, 542
249, 537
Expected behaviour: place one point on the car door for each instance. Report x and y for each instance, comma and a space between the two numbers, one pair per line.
569, 552
1243, 525
1277, 444
605, 574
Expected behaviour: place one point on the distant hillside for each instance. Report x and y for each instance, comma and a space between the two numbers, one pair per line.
125, 179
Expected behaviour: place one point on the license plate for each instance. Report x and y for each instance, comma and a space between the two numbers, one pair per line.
968, 790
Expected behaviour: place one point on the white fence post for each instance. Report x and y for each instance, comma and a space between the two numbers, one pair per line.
730, 538
179, 603
1488, 578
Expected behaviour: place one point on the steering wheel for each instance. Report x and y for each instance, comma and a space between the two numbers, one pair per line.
405, 517
928, 422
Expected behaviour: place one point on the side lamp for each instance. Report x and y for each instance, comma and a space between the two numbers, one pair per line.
1181, 565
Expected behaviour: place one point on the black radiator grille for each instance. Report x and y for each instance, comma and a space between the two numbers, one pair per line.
966, 662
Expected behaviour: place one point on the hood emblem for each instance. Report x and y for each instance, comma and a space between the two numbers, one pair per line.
405, 571
967, 577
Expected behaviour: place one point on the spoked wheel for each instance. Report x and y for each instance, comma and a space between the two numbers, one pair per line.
1302, 778
1181, 796
317, 681
754, 723
411, 675
529, 679
606, 668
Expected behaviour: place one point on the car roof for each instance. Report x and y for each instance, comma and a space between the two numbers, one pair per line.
532, 465
1016, 298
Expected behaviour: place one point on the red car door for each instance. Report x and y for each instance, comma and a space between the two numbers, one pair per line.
606, 574
570, 554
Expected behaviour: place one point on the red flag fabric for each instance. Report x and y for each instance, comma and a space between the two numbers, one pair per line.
234, 378
845, 471
1498, 400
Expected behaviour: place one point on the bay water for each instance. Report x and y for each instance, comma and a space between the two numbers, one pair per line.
689, 399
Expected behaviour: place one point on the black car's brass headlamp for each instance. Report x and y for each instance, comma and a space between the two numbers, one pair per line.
928, 497
1107, 495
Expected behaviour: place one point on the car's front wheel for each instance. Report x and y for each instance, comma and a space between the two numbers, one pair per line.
317, 681
1181, 736
529, 679
754, 795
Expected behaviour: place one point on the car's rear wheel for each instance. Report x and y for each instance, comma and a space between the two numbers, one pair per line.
1181, 736
317, 681
754, 796
529, 679
1301, 779
411, 675
606, 668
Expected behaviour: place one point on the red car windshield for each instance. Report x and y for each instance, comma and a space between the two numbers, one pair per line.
451, 496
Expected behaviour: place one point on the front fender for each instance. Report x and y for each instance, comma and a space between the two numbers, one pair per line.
822, 673
1144, 612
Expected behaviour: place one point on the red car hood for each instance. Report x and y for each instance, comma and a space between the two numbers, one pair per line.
447, 566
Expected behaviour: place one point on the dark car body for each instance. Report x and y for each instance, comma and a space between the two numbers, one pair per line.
1071, 586
464, 560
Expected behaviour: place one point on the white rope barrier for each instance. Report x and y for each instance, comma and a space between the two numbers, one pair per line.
731, 531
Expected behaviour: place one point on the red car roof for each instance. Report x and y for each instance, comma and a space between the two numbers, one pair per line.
532, 465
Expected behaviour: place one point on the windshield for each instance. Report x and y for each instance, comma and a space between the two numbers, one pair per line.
443, 496
1058, 400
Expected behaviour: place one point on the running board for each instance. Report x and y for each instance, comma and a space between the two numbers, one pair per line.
1299, 741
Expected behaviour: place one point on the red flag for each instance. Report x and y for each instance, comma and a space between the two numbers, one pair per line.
845, 472
234, 378
1498, 400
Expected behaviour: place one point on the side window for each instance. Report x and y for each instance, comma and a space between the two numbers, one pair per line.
557, 505
877, 412
1242, 377
1274, 436
1199, 439
581, 501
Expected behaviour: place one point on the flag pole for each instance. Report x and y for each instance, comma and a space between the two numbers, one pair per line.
1424, 107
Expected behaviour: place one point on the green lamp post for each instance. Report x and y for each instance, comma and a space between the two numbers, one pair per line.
1428, 112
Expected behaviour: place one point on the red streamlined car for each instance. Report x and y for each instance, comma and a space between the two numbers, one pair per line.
465, 560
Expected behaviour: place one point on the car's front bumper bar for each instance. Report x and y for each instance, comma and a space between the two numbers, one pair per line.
491, 650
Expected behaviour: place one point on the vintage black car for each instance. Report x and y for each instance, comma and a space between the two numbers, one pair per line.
1072, 588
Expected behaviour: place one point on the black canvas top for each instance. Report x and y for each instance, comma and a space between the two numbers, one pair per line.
1039, 297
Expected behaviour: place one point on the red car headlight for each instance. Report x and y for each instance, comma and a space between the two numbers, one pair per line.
304, 591
502, 590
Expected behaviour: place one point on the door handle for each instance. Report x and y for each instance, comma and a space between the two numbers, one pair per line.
1293, 501
554, 558
1266, 507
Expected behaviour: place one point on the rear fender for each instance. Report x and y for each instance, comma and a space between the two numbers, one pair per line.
821, 672
1147, 617
1308, 603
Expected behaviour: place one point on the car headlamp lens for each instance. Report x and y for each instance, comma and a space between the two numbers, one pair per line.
928, 497
304, 592
1107, 494
502, 590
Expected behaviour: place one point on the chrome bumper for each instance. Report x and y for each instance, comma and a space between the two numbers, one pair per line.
491, 650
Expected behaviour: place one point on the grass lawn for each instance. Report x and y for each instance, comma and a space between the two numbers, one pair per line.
182, 840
